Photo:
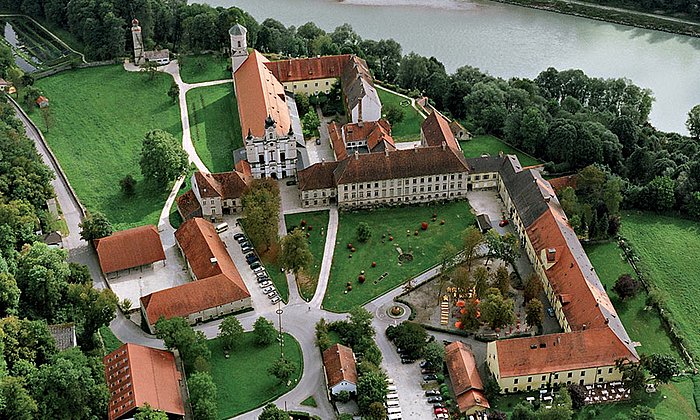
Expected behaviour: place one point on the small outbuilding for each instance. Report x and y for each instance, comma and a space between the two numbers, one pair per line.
341, 371
53, 240
160, 57
42, 101
64, 335
484, 222
465, 379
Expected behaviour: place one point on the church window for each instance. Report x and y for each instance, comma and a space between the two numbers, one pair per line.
239, 44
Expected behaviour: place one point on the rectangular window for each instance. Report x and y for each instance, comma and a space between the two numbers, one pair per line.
570, 374
544, 377
376, 185
529, 378
556, 376
610, 370
515, 381
583, 373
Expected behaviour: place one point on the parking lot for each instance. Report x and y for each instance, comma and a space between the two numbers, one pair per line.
258, 298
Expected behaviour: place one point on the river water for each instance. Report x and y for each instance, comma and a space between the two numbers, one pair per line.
508, 41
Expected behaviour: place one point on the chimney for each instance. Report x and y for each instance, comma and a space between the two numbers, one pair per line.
444, 144
357, 155
323, 161
547, 198
551, 254
584, 326
607, 321
213, 260
386, 151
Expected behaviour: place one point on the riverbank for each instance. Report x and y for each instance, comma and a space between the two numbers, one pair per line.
612, 15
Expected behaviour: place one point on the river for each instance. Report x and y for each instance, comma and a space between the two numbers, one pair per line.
512, 41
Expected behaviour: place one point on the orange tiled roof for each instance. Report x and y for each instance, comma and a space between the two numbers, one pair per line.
335, 131
562, 182
218, 280
561, 352
129, 248
260, 95
226, 185
138, 375
317, 176
464, 376
339, 362
471, 399
326, 67
436, 130
188, 205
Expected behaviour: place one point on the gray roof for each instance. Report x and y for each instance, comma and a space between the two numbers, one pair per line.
52, 238
64, 335
486, 164
237, 29
357, 83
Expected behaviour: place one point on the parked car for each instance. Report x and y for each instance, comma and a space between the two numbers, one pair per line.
265, 284
244, 243
255, 264
432, 393
275, 300
251, 257
247, 249
435, 399
263, 279
442, 416
291, 182
438, 410
425, 364
427, 371
272, 294
550, 312
239, 237
446, 342
407, 361
268, 289
436, 405
503, 222
430, 377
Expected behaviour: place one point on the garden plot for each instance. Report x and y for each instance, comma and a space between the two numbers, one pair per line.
34, 48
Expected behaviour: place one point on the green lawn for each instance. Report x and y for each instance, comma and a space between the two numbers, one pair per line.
491, 145
409, 128
318, 222
668, 249
390, 222
242, 380
310, 401
204, 68
671, 402
642, 325
110, 341
99, 117
214, 125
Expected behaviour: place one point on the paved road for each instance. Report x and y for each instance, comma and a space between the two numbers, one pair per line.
328, 250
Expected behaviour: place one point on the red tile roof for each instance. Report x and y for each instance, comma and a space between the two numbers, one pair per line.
339, 362
227, 185
137, 375
188, 205
218, 280
260, 95
129, 248
558, 184
464, 375
317, 176
436, 130
375, 133
295, 70
335, 131
561, 352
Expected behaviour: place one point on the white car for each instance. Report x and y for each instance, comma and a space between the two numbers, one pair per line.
275, 299
265, 284
268, 289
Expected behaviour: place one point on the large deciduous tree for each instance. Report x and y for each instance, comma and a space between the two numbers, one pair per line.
693, 122
296, 255
95, 226
662, 366
162, 158
192, 345
202, 396
626, 286
264, 332
434, 353
496, 310
230, 332
282, 369
271, 412
534, 313
146, 412
371, 388
261, 207
41, 275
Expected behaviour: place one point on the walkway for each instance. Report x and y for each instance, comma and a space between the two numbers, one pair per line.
413, 101
328, 251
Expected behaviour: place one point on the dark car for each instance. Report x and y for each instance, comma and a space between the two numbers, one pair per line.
239, 237
250, 258
426, 364
438, 405
430, 377
247, 250
407, 361
427, 371
446, 342
550, 312
435, 399
244, 243
432, 393
503, 222
255, 264
263, 279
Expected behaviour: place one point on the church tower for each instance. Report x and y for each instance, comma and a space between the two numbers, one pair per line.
239, 45
138, 42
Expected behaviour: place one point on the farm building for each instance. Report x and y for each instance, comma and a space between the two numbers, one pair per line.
127, 250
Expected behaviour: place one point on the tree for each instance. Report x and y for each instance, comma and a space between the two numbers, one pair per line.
360, 324
461, 278
662, 366
578, 395
371, 388
302, 100
434, 353
364, 232
25, 341
693, 122
202, 396
626, 286
523, 411
533, 287
264, 332
146, 412
447, 257
496, 310
17, 403
409, 336
661, 193
534, 313
633, 375
192, 345
502, 280
375, 411
150, 68
41, 276
310, 123
296, 255
93, 310
72, 386
271, 412
128, 185
162, 158
642, 412
481, 279
261, 207
282, 369
230, 332
504, 247
393, 113
470, 320
471, 239
174, 91
95, 226
9, 295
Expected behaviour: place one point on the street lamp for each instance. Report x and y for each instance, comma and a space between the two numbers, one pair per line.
279, 312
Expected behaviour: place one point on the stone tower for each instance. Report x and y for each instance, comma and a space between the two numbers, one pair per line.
239, 45
138, 42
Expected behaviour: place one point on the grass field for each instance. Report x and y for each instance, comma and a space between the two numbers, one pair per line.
110, 341
242, 380
409, 128
491, 145
642, 325
671, 402
668, 249
99, 117
390, 222
214, 125
318, 221
204, 68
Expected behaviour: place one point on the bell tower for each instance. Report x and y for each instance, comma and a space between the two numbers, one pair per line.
138, 42
239, 45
